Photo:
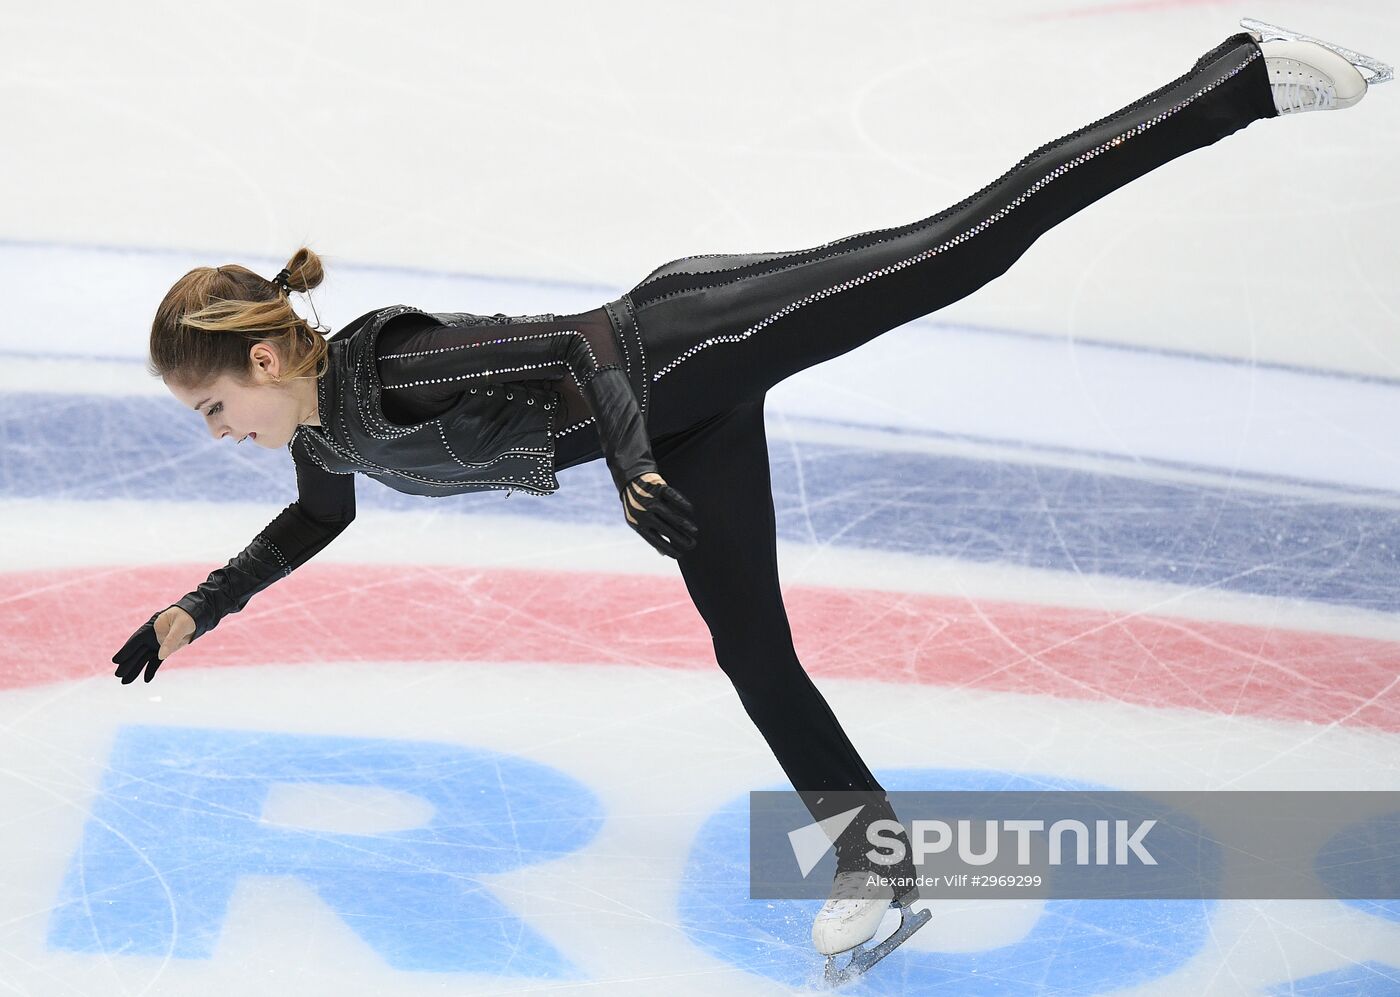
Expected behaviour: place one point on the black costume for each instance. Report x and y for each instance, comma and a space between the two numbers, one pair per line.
673, 377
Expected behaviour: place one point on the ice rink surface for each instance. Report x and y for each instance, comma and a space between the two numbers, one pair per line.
1126, 518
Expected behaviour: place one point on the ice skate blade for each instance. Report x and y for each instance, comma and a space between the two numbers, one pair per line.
1379, 71
863, 958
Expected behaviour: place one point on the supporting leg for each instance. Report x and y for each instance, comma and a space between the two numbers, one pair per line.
721, 465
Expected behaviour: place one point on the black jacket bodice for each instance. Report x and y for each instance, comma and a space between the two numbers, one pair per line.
477, 400
440, 404
497, 434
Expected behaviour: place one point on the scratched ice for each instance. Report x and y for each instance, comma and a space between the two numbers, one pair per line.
1126, 517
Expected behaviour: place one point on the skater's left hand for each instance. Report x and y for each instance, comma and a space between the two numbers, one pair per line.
660, 514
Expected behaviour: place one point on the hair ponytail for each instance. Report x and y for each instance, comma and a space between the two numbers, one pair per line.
210, 318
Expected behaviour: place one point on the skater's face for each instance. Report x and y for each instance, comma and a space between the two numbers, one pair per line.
263, 408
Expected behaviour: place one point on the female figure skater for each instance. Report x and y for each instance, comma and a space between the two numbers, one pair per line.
672, 375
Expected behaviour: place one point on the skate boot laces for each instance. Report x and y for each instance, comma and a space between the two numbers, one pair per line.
1304, 95
850, 892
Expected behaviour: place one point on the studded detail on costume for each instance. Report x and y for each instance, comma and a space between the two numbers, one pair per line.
277, 552
472, 446
580, 377
576, 370
622, 315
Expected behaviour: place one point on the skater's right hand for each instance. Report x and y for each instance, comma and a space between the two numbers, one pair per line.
154, 641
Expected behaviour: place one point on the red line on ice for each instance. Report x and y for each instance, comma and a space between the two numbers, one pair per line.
62, 625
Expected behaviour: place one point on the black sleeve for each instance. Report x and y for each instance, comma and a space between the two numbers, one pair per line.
424, 366
621, 430
325, 505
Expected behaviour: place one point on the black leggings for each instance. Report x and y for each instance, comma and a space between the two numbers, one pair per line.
719, 331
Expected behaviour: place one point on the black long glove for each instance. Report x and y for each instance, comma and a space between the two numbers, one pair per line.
659, 513
142, 650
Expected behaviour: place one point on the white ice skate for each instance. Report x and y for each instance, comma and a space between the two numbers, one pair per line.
852, 916
1308, 74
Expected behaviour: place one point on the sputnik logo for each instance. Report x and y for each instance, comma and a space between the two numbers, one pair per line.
812, 841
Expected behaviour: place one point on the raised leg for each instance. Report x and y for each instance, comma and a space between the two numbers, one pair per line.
719, 330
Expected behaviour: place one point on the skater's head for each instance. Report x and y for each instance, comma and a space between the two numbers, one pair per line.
227, 343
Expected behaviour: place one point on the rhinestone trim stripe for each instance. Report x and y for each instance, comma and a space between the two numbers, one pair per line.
772, 257
962, 237
499, 370
641, 349
286, 568
311, 450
